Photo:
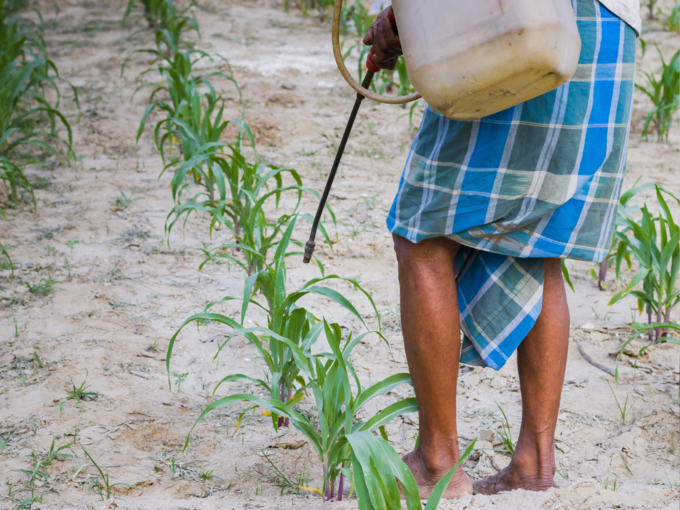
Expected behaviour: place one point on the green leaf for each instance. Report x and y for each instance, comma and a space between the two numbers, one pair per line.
377, 467
298, 420
639, 276
408, 405
565, 274
247, 294
381, 388
237, 377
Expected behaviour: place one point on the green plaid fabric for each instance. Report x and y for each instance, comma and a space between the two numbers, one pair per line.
539, 180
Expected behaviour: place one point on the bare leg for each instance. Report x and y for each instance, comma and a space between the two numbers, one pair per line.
430, 322
542, 360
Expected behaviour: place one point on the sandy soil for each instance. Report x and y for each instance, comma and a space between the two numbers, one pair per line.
121, 292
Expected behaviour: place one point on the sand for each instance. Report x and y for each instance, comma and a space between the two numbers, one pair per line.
122, 291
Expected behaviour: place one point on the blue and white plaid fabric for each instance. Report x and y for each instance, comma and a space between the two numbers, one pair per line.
539, 180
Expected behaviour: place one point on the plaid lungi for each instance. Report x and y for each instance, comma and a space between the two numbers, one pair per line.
539, 180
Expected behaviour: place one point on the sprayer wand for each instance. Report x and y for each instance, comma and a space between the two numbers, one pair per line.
309, 247
362, 91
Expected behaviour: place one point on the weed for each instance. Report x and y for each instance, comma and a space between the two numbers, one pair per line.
283, 481
505, 433
81, 393
624, 410
101, 484
50, 250
41, 183
38, 473
560, 472
671, 443
614, 486
179, 379
124, 201
133, 234
42, 288
70, 244
207, 475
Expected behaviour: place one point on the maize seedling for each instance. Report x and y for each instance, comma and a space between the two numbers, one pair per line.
330, 377
291, 330
654, 241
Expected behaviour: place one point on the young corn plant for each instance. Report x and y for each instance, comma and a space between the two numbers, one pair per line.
355, 21
162, 14
291, 330
650, 6
619, 252
174, 27
673, 24
178, 80
251, 187
330, 377
5, 253
379, 474
654, 241
13, 6
664, 92
25, 73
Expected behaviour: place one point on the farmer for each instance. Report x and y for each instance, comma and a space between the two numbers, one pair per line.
484, 214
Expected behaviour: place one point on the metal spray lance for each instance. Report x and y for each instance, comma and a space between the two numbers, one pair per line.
372, 68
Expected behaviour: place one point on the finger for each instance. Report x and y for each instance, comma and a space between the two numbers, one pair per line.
381, 43
390, 64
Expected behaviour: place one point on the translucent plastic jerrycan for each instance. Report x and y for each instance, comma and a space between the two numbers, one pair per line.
472, 58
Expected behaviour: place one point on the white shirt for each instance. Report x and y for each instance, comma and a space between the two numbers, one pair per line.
627, 10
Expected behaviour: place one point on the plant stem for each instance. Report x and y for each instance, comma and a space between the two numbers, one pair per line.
603, 273
341, 486
286, 422
283, 422
666, 319
326, 493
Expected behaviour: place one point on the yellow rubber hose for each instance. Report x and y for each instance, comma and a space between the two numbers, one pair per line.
337, 10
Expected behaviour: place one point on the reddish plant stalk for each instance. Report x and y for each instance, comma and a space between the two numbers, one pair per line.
284, 396
341, 487
604, 265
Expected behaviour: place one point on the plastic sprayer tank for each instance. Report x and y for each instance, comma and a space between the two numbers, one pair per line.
471, 58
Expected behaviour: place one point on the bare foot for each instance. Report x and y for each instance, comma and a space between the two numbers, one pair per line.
426, 479
515, 477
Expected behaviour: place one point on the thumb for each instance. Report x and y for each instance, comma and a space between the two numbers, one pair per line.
368, 39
